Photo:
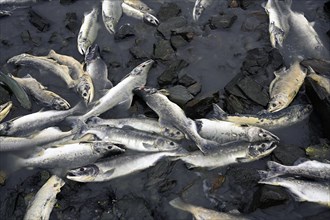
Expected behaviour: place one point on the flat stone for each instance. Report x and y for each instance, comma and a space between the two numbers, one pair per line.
170, 75
38, 21
138, 53
271, 196
180, 95
199, 107
222, 21
288, 154
163, 50
235, 105
165, 28
186, 80
124, 31
71, 22
168, 10
254, 91
178, 41
25, 36
250, 24
67, 2
195, 88
187, 32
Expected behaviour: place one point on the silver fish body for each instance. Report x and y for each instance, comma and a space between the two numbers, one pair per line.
199, 7
134, 139
111, 14
235, 152
112, 168
135, 13
310, 168
43, 202
321, 80
88, 31
139, 5
201, 213
98, 71
17, 89
44, 64
317, 192
41, 94
68, 155
275, 120
143, 124
223, 131
285, 86
5, 109
122, 93
40, 139
170, 114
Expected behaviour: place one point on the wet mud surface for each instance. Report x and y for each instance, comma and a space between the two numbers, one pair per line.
224, 58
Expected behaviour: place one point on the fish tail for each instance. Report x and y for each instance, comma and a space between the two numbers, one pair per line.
276, 168
180, 204
207, 146
16, 162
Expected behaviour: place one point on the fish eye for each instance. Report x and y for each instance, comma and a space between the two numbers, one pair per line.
109, 147
178, 132
81, 169
263, 145
84, 94
172, 143
143, 65
264, 135
274, 105
167, 130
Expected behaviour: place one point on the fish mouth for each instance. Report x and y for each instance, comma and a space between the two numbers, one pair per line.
92, 53
151, 19
5, 107
272, 136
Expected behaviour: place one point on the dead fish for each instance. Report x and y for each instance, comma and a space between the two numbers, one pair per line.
201, 213
302, 167
111, 168
5, 109
223, 131
41, 94
88, 31
139, 5
200, 6
275, 120
17, 89
285, 86
135, 13
43, 202
111, 14
322, 81
230, 153
303, 190
44, 64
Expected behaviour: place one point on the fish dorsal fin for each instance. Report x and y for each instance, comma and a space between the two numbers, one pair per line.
312, 23
27, 76
300, 161
218, 112
164, 92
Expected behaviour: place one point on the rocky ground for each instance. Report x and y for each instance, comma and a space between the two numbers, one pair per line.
224, 58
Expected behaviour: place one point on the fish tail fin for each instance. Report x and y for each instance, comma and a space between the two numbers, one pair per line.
310, 71
51, 53
180, 204
276, 168
79, 108
16, 163
288, 3
207, 146
218, 112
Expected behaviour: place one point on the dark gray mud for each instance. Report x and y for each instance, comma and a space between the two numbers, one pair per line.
224, 43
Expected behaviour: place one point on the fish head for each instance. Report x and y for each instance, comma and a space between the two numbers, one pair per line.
85, 89
259, 150
277, 103
277, 35
60, 104
104, 148
198, 10
83, 44
165, 144
142, 68
92, 53
151, 19
259, 134
173, 133
83, 174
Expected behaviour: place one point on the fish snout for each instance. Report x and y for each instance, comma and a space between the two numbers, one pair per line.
83, 174
267, 135
151, 19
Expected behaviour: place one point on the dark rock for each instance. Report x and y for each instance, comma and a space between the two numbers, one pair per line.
244, 4
133, 208
39, 22
232, 87
236, 105
178, 41
25, 36
288, 154
186, 80
233, 3
167, 185
199, 107
125, 31
138, 53
55, 38
67, 2
270, 196
187, 32
180, 95
71, 22
6, 43
195, 88
168, 10
163, 50
326, 7
250, 24
319, 66
222, 21
170, 75
328, 33
254, 91
276, 59
166, 28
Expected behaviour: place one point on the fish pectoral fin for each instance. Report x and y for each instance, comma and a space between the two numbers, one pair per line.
242, 160
127, 127
109, 172
148, 146
126, 104
190, 166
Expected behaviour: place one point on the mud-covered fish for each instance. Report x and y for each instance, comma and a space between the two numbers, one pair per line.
30, 123
98, 71
278, 12
285, 86
111, 168
38, 139
5, 109
170, 114
135, 13
17, 89
88, 31
111, 14
134, 139
139, 5
200, 6
223, 131
230, 153
318, 192
45, 65
43, 202
84, 84
143, 124
201, 213
68, 155
122, 93
41, 94
321, 80
306, 168
286, 117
